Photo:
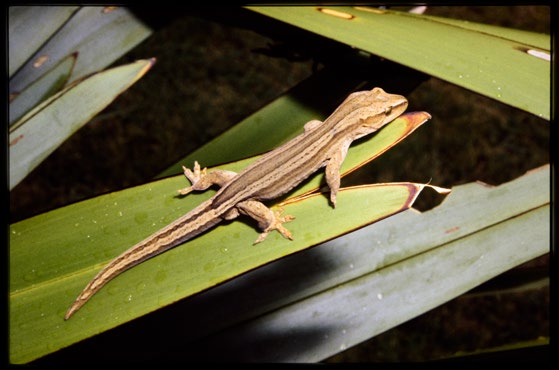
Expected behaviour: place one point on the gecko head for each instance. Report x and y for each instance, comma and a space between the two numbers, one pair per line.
392, 105
372, 109
379, 106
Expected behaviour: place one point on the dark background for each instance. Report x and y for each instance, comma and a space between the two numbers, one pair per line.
209, 76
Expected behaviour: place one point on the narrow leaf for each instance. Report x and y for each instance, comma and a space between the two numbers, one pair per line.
360, 309
24, 36
47, 85
43, 129
49, 265
100, 35
358, 154
312, 305
479, 58
537, 40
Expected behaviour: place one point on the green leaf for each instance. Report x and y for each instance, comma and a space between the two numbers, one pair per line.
47, 85
23, 38
310, 306
53, 255
98, 34
43, 129
480, 58
358, 155
50, 265
537, 40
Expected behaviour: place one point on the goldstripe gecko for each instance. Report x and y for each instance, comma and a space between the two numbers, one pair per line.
322, 144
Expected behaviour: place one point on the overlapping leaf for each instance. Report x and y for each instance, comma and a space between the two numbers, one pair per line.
46, 86
42, 130
481, 58
98, 34
55, 254
374, 279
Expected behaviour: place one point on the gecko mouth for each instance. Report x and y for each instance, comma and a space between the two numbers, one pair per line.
393, 111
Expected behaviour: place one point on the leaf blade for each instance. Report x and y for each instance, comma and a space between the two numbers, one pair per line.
479, 61
23, 38
42, 130
41, 300
99, 36
386, 298
395, 258
50, 83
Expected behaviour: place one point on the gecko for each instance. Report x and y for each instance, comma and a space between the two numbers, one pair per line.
322, 144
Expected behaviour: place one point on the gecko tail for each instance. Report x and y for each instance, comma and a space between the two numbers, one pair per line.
130, 258
125, 261
78, 303
99, 281
172, 235
84, 296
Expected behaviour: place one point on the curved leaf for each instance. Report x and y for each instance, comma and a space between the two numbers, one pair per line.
55, 254
43, 129
23, 38
47, 85
326, 299
49, 266
100, 35
480, 58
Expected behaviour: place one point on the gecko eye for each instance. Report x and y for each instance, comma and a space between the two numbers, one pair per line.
387, 110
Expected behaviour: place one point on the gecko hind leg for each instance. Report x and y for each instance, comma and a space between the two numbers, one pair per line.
268, 220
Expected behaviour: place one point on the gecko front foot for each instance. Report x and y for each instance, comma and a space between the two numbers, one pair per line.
202, 180
193, 176
276, 224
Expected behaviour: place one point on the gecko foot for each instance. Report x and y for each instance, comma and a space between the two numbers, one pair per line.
276, 224
193, 176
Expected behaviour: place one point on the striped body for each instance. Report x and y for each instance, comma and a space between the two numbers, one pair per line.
323, 144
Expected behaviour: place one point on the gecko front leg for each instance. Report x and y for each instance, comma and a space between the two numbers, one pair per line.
201, 180
332, 171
